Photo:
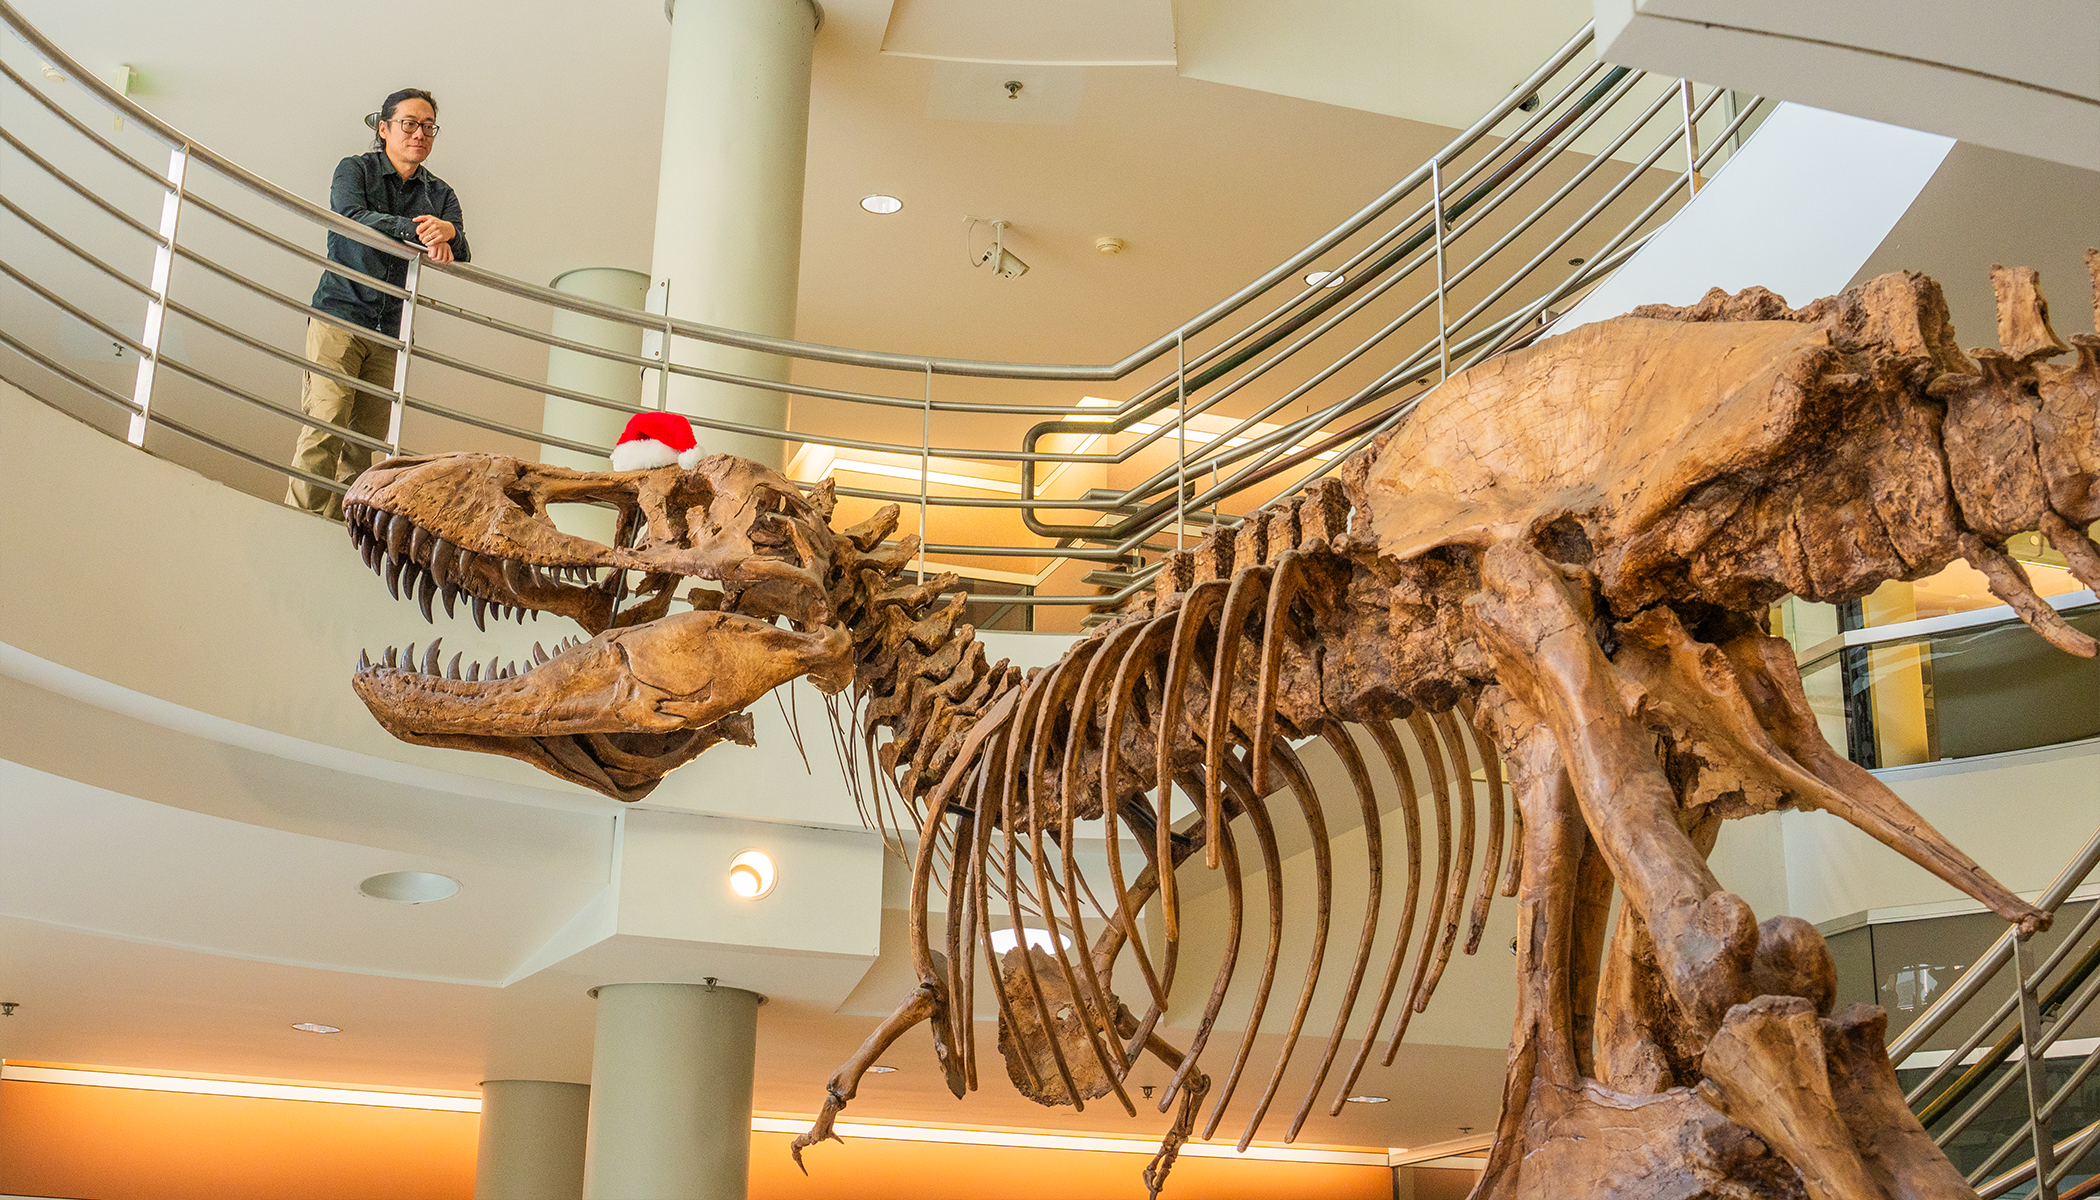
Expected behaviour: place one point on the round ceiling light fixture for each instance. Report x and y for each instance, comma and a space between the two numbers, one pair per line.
881, 205
317, 1027
1330, 278
1369, 1099
751, 874
410, 887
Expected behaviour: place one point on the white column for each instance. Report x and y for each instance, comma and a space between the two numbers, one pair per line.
587, 373
531, 1145
671, 1092
729, 199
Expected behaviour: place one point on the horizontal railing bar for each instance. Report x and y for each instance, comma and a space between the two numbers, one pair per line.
66, 373
137, 226
82, 255
81, 127
75, 311
285, 469
278, 407
291, 247
1991, 960
305, 364
299, 306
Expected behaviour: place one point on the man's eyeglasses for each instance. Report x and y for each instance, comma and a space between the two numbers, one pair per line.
411, 125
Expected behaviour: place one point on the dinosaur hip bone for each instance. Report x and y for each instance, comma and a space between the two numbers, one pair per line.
1558, 567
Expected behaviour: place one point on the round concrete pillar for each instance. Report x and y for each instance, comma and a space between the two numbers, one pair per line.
577, 371
671, 1092
532, 1137
729, 200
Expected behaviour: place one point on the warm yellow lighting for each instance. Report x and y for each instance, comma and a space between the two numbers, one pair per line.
1058, 1141
751, 874
912, 473
229, 1087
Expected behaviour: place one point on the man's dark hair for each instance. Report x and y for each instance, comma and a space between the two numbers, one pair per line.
386, 111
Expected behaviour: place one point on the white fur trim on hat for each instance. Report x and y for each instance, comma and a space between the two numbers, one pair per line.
691, 458
642, 454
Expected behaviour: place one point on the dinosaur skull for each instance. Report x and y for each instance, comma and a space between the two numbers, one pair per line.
650, 689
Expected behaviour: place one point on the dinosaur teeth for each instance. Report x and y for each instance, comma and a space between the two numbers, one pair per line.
430, 657
426, 591
408, 659
538, 654
517, 575
480, 608
474, 673
364, 662
390, 658
397, 534
452, 668
392, 573
450, 592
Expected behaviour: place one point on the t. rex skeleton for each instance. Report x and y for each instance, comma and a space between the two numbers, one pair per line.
1559, 566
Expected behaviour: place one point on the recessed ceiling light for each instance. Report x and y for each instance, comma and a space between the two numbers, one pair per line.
880, 205
1332, 278
751, 874
882, 1070
317, 1027
1368, 1099
410, 887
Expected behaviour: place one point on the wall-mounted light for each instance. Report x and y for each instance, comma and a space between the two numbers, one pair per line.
751, 874
410, 887
1369, 1099
1330, 278
881, 205
317, 1027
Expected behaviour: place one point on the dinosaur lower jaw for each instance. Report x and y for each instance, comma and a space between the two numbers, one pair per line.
623, 766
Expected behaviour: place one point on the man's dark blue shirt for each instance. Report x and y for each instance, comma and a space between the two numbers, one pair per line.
367, 189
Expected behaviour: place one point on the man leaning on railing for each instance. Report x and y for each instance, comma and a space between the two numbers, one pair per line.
387, 189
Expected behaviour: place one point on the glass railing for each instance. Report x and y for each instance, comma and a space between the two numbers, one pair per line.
1940, 669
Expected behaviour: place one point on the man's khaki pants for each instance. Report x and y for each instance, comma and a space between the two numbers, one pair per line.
322, 452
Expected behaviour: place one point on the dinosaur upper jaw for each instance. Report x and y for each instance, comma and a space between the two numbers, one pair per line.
649, 690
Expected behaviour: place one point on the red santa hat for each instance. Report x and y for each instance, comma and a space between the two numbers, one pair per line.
656, 439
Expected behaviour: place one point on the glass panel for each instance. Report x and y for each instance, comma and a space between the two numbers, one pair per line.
1976, 691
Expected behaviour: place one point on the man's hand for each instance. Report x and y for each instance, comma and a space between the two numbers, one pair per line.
434, 232
439, 253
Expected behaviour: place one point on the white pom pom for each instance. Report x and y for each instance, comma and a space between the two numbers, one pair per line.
691, 458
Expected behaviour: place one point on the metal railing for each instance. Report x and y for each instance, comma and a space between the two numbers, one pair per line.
2033, 1144
1466, 256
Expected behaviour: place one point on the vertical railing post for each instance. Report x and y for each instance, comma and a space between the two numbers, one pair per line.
2036, 1070
1181, 436
1436, 208
925, 464
408, 349
1691, 138
663, 357
157, 306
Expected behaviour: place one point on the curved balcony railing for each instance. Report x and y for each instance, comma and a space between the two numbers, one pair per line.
2002, 1071
187, 277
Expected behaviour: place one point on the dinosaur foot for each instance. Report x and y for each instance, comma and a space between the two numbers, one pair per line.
819, 1130
1192, 1094
1593, 1142
1823, 1094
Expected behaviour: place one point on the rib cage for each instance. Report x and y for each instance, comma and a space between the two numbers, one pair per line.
994, 774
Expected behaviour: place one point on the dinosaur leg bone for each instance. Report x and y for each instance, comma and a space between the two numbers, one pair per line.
1540, 641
